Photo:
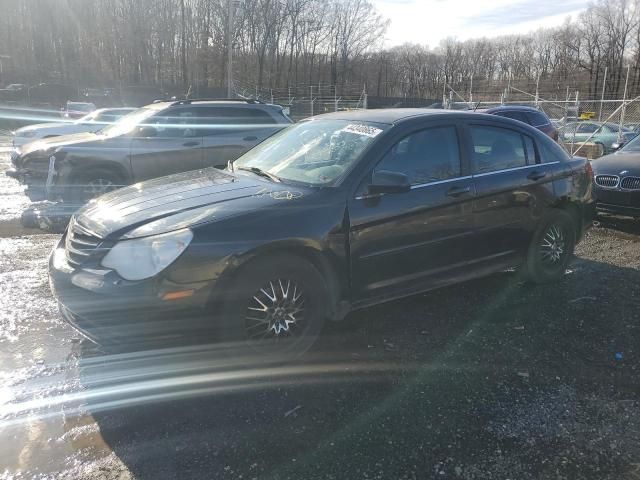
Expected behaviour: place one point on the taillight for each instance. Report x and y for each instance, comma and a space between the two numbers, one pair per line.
589, 169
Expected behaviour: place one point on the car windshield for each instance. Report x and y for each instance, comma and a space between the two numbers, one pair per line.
315, 152
128, 122
632, 146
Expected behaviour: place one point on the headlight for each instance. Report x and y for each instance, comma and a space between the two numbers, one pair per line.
145, 257
27, 134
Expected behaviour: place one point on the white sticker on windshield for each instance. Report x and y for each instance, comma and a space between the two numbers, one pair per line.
359, 129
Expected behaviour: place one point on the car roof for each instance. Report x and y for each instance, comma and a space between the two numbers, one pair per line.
389, 115
522, 108
227, 102
395, 115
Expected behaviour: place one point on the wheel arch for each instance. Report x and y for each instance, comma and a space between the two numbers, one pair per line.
327, 264
77, 171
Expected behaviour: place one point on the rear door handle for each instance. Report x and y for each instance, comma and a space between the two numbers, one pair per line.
458, 191
190, 144
536, 176
249, 139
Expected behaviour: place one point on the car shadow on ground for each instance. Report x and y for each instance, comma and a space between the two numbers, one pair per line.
489, 379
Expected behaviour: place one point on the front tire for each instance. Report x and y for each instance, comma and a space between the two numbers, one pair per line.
277, 307
551, 248
91, 185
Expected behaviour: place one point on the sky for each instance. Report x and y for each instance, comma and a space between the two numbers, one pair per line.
428, 21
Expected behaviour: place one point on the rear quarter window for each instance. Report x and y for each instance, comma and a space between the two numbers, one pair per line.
551, 152
537, 119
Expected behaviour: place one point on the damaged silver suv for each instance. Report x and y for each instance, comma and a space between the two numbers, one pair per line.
156, 140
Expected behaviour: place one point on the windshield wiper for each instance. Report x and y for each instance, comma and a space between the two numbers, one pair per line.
259, 171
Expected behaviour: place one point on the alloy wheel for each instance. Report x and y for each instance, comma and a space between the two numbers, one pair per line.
98, 186
276, 312
553, 247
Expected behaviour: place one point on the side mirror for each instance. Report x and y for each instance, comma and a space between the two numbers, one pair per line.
146, 131
385, 181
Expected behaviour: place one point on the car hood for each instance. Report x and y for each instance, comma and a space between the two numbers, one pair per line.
183, 200
616, 163
39, 126
61, 141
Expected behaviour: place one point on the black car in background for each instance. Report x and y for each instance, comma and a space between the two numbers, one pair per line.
617, 181
333, 214
156, 140
529, 115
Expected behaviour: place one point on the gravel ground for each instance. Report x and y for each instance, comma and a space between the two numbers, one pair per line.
491, 379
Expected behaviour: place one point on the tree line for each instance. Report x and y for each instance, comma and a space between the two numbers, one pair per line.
183, 44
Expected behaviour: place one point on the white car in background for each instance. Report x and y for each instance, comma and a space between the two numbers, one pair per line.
91, 123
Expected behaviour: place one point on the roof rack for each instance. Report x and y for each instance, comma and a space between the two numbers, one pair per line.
188, 101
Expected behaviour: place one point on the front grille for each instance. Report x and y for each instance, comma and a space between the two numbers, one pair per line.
607, 181
630, 183
80, 245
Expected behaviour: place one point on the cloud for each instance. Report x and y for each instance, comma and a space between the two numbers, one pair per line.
430, 21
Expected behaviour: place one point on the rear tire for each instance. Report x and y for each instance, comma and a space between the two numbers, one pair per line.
276, 308
551, 248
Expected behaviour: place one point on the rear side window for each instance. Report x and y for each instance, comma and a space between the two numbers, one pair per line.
220, 119
496, 148
425, 156
537, 119
515, 115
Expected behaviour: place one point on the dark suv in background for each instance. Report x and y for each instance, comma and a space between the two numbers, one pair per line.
529, 115
156, 140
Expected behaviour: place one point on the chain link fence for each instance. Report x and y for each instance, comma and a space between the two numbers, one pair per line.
305, 101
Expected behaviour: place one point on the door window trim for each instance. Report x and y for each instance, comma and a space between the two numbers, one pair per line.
513, 169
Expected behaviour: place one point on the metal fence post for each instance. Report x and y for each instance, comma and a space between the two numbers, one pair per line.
624, 105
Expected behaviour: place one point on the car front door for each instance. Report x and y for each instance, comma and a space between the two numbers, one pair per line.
228, 132
512, 189
167, 143
400, 242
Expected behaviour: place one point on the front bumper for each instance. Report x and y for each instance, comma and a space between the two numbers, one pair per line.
111, 311
614, 209
618, 201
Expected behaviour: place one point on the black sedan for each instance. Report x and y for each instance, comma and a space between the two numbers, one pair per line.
617, 181
333, 214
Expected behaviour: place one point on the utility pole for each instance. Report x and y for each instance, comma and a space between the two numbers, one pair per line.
537, 89
604, 84
471, 92
229, 49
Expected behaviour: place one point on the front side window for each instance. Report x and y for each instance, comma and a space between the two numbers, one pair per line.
426, 156
178, 122
130, 121
496, 148
317, 152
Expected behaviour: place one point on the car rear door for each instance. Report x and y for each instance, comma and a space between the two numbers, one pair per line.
228, 132
400, 242
512, 188
175, 147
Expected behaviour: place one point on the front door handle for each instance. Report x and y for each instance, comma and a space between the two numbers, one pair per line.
250, 139
458, 191
190, 144
535, 176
